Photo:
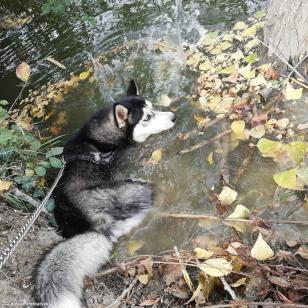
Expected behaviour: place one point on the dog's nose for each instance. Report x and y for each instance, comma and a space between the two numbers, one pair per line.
173, 118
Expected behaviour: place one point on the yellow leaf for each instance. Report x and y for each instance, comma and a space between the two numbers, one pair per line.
269, 148
84, 75
202, 253
258, 81
194, 59
5, 185
227, 196
296, 150
228, 70
144, 279
133, 246
246, 72
240, 212
251, 31
286, 179
251, 44
261, 250
216, 267
238, 283
224, 45
257, 132
240, 25
205, 66
164, 100
293, 94
210, 158
23, 71
199, 119
238, 127
157, 154
187, 278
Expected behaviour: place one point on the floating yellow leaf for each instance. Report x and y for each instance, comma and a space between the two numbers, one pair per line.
247, 72
202, 253
261, 250
286, 179
293, 94
251, 31
157, 154
133, 246
5, 185
238, 283
257, 132
240, 25
269, 148
216, 267
84, 75
227, 195
164, 100
296, 150
238, 128
144, 279
240, 212
23, 71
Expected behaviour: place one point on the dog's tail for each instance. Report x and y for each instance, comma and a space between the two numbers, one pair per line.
59, 277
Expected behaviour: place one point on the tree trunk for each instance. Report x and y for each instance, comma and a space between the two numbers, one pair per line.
286, 31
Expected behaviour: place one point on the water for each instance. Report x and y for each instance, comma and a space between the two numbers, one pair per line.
122, 46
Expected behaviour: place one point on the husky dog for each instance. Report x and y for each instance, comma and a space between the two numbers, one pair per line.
93, 209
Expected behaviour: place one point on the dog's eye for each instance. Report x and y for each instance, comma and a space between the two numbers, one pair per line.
147, 118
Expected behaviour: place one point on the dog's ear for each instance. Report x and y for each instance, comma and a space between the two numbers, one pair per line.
121, 114
132, 88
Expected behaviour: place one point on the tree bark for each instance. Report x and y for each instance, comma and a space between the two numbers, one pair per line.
286, 31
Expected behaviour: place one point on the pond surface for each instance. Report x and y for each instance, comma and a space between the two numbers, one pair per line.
183, 182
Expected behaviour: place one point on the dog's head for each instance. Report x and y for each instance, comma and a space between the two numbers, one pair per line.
136, 117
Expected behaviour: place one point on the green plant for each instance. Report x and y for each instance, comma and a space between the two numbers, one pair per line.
55, 6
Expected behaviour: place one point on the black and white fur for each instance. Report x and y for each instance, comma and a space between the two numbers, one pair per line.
92, 208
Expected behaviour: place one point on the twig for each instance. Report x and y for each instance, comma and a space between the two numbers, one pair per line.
204, 142
228, 288
214, 121
302, 60
300, 83
117, 302
251, 304
281, 58
247, 221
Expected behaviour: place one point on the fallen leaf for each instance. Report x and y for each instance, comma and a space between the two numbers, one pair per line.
251, 31
55, 62
148, 264
258, 81
261, 250
23, 71
5, 185
233, 246
144, 279
228, 70
247, 72
251, 44
133, 246
259, 14
227, 196
240, 212
251, 58
269, 148
296, 150
238, 283
240, 25
164, 100
283, 123
205, 66
156, 155
286, 179
238, 128
303, 252
293, 94
302, 173
216, 267
187, 278
203, 253
257, 132
84, 75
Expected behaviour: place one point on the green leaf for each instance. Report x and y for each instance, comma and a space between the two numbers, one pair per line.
55, 162
46, 8
40, 170
58, 8
3, 102
259, 14
45, 164
54, 151
50, 205
2, 112
251, 58
286, 179
5, 136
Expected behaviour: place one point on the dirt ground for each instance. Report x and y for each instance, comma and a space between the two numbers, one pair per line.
15, 278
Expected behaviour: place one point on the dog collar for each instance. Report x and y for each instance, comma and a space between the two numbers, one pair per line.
97, 158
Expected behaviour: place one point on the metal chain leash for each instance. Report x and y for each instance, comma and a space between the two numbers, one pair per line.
6, 254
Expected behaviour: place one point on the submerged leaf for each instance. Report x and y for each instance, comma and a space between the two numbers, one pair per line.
133, 246
261, 250
296, 150
164, 100
269, 148
157, 154
202, 253
258, 131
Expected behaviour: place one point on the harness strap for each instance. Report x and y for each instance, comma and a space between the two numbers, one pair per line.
97, 158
